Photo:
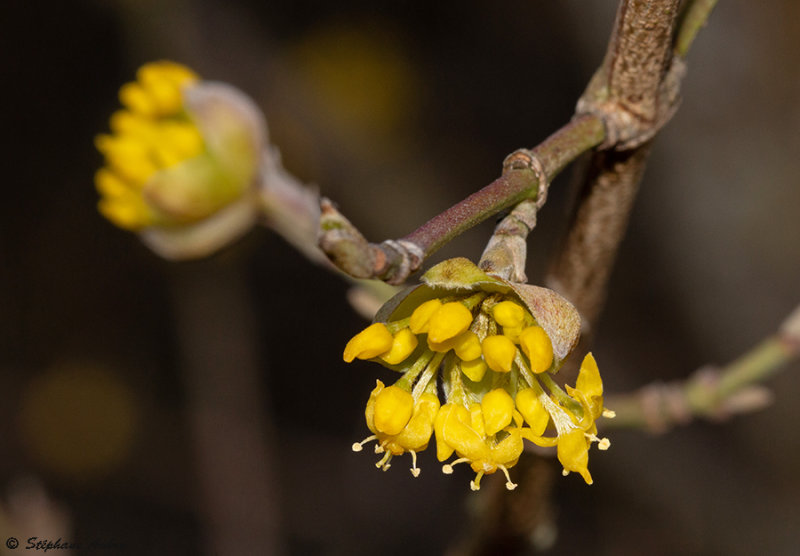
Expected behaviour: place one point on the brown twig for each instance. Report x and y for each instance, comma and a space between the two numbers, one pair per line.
394, 260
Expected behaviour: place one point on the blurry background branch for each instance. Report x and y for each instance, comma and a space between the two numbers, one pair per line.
710, 392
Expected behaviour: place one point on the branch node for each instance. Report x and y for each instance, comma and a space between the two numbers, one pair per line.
626, 125
406, 259
525, 159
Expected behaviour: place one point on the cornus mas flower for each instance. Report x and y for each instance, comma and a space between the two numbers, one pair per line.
181, 161
493, 345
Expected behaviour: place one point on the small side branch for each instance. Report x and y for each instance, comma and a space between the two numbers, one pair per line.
694, 17
710, 393
394, 260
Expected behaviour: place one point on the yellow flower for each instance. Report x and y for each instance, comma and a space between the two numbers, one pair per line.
493, 345
399, 423
463, 430
371, 342
181, 161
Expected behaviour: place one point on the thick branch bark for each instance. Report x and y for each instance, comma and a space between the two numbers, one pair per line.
635, 93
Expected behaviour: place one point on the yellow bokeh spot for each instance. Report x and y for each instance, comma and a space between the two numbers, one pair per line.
499, 353
371, 342
450, 320
536, 345
361, 79
403, 344
78, 421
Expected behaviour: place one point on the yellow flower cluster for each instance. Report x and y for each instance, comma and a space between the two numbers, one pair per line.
151, 133
495, 363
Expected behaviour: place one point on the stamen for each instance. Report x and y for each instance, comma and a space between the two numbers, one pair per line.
358, 446
604, 444
509, 484
476, 484
447, 468
378, 449
609, 413
414, 468
383, 464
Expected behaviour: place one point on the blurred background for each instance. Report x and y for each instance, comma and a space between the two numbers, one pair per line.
203, 407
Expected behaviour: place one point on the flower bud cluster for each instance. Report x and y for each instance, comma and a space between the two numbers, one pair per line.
181, 161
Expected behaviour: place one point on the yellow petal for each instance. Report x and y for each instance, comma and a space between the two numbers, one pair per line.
393, 409
164, 70
507, 451
589, 381
128, 212
441, 347
417, 433
508, 313
535, 343
403, 344
573, 453
458, 433
499, 352
532, 410
467, 346
371, 342
420, 318
450, 320
443, 449
474, 369
476, 419
111, 185
137, 100
369, 412
498, 408
513, 332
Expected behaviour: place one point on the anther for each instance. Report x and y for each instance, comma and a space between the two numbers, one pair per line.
604, 444
358, 446
447, 468
476, 483
609, 413
383, 464
509, 484
414, 468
